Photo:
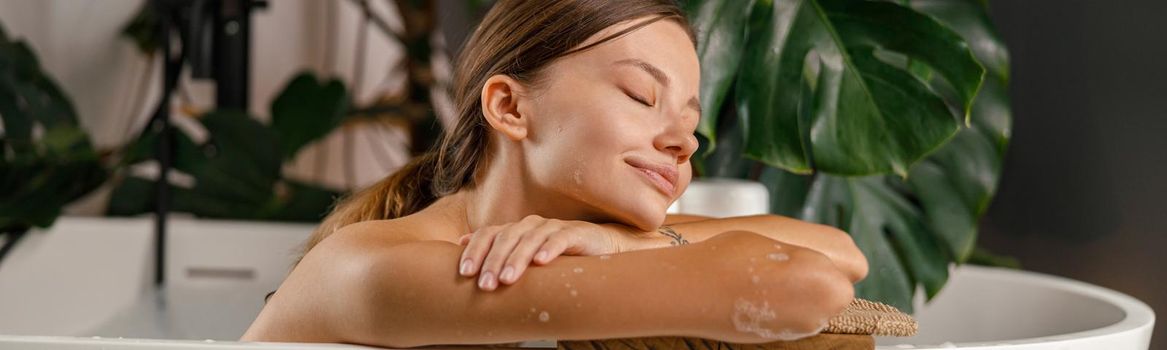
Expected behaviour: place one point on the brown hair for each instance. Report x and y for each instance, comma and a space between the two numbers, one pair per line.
517, 38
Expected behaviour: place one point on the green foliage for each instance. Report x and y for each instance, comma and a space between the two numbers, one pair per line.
46, 159
851, 113
307, 110
237, 172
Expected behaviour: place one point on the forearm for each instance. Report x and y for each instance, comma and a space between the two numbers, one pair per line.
645, 293
829, 241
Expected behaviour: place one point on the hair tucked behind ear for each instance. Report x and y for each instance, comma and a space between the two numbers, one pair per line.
517, 38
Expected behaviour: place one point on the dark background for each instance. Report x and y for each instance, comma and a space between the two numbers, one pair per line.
1083, 190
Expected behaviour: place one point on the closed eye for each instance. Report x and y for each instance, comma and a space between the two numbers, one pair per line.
638, 99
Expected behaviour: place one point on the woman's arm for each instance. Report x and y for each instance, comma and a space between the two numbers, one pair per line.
832, 242
730, 287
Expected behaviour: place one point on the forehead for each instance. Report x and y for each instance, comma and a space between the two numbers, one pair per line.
663, 44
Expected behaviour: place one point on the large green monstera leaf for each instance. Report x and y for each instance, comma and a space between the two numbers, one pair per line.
874, 117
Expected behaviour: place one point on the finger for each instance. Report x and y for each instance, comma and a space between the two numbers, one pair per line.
521, 257
555, 246
504, 243
476, 247
465, 239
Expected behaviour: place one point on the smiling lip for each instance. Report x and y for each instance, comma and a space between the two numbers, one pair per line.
664, 177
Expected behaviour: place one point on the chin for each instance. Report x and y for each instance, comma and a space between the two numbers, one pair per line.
646, 218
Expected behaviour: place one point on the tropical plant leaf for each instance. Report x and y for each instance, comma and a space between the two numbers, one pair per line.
721, 37
41, 171
912, 225
306, 110
889, 229
956, 184
864, 115
236, 174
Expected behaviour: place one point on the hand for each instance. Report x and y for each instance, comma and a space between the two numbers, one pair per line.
513, 246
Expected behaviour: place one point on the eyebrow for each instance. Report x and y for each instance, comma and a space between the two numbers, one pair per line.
660, 77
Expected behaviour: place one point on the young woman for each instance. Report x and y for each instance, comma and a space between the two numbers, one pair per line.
536, 215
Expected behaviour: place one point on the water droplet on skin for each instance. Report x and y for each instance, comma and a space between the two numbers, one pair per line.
544, 316
563, 274
578, 176
751, 318
603, 277
755, 279
778, 256
750, 269
578, 305
532, 309
752, 259
577, 270
605, 257
574, 293
777, 246
489, 333
567, 285
713, 247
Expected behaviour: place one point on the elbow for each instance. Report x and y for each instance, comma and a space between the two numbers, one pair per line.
850, 258
856, 261
829, 292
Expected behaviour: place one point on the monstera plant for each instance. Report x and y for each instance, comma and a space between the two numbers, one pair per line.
888, 120
46, 159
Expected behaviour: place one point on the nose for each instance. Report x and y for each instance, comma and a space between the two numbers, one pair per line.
677, 141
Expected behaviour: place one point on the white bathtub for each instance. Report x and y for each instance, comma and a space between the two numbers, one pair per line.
91, 277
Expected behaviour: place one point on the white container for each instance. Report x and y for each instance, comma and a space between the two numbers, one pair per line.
722, 197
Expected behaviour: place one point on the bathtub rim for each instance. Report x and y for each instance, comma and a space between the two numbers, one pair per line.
1138, 319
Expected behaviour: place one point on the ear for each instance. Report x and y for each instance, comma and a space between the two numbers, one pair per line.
500, 106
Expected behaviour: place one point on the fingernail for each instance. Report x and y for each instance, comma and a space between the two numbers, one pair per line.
507, 274
486, 281
541, 256
466, 266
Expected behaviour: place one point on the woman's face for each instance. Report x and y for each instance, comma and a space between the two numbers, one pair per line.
613, 125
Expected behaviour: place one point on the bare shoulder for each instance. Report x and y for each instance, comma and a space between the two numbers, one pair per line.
313, 297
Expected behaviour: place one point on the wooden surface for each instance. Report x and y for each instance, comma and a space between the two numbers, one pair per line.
818, 342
